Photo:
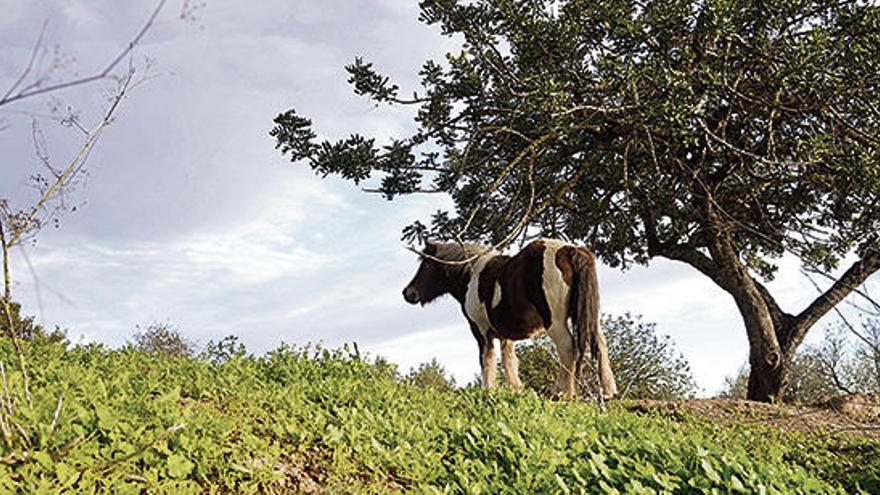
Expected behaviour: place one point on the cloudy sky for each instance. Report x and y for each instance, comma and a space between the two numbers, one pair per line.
189, 216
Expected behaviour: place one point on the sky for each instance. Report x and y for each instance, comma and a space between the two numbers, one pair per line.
189, 216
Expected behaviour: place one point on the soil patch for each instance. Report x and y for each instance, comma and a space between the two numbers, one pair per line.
855, 414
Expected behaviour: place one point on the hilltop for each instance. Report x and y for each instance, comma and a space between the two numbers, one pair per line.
307, 420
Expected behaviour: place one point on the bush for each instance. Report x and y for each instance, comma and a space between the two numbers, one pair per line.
430, 375
26, 328
646, 365
162, 339
223, 350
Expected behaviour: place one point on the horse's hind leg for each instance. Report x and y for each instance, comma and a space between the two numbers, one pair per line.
565, 347
510, 363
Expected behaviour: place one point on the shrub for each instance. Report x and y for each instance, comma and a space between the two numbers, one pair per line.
430, 375
26, 328
162, 339
646, 365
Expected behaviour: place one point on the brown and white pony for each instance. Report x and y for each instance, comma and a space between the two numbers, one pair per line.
517, 297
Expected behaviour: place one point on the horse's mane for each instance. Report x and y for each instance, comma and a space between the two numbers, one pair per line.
455, 252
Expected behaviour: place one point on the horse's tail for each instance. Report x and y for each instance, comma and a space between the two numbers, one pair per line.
585, 319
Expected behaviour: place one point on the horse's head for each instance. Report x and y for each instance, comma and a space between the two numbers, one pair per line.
431, 280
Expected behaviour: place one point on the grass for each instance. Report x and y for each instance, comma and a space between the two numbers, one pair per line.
313, 420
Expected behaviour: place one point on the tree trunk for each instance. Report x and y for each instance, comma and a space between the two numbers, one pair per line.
769, 359
774, 335
767, 383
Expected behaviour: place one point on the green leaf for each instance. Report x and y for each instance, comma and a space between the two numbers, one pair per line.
562, 485
179, 466
710, 471
106, 418
67, 474
44, 459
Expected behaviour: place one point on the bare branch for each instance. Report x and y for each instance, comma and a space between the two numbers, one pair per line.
26, 223
104, 74
30, 65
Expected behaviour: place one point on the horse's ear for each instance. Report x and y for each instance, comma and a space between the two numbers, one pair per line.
430, 248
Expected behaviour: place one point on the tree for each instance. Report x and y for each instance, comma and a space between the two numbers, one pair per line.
430, 375
867, 357
646, 365
719, 134
164, 339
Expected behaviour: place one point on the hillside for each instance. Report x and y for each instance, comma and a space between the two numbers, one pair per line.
311, 420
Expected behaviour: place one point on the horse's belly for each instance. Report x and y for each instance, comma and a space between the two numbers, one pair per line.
514, 324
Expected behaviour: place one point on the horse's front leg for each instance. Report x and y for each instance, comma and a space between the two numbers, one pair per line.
486, 347
510, 363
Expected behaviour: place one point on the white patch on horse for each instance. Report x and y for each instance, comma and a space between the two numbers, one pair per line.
476, 310
556, 291
496, 297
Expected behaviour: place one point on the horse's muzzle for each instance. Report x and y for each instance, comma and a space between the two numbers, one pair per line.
411, 295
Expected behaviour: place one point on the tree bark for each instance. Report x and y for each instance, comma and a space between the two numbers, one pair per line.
766, 383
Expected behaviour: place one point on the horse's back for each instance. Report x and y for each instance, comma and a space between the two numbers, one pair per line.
524, 294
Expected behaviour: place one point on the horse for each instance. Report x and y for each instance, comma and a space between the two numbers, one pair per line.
510, 298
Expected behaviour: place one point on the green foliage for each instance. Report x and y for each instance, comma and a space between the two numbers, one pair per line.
301, 418
736, 386
642, 129
646, 365
223, 350
430, 375
164, 339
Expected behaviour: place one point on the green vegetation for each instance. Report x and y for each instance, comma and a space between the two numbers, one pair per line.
310, 419
162, 339
430, 375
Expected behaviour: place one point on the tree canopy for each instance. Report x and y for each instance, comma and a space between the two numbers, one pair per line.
722, 134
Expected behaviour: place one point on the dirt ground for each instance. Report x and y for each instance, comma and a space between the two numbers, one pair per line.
856, 414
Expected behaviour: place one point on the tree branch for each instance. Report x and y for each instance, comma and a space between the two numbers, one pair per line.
680, 252
30, 65
850, 280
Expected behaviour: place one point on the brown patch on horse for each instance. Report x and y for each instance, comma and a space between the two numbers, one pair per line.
523, 307
564, 263
533, 256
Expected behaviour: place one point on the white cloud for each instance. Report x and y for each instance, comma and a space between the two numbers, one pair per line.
451, 345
